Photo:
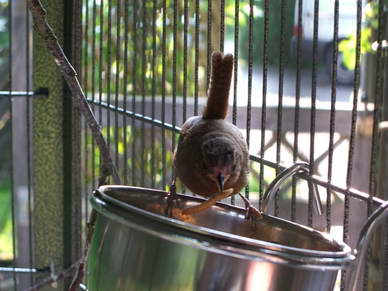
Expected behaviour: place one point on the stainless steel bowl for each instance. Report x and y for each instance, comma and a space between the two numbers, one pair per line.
135, 247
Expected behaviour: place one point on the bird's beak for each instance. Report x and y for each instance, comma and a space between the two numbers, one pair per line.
221, 180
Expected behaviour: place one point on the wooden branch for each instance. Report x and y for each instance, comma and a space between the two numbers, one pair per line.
40, 23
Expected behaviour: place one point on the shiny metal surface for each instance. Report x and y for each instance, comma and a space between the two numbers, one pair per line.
282, 177
369, 228
136, 248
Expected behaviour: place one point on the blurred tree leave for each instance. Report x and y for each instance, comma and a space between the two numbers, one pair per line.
368, 37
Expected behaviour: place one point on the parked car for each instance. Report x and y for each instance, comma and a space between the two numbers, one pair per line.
347, 25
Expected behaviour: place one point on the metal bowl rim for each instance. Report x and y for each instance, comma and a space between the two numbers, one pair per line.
308, 263
344, 255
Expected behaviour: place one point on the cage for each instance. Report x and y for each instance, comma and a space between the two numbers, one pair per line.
145, 68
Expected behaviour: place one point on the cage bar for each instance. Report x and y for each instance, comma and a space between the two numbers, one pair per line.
264, 97
332, 113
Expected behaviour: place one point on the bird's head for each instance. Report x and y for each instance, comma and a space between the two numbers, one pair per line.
218, 160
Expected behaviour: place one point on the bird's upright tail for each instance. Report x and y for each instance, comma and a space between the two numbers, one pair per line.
218, 93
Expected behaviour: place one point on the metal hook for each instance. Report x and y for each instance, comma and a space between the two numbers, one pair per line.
279, 180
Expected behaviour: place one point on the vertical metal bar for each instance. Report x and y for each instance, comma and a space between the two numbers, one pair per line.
209, 40
383, 142
93, 88
236, 55
366, 267
332, 114
153, 92
117, 84
196, 57
134, 91
85, 84
377, 113
13, 213
164, 35
235, 65
86, 169
385, 263
377, 103
143, 91
125, 136
297, 105
101, 60
174, 65
83, 134
222, 26
71, 139
250, 70
185, 34
101, 69
19, 154
313, 107
264, 98
28, 122
356, 86
108, 72
83, 138
352, 139
280, 94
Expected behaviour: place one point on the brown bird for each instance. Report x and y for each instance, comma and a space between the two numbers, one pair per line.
212, 154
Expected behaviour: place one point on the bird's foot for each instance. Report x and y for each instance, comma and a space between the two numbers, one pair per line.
208, 203
171, 198
251, 212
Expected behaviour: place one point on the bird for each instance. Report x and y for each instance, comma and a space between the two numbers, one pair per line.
212, 155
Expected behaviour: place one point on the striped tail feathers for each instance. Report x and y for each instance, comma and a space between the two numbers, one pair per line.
218, 93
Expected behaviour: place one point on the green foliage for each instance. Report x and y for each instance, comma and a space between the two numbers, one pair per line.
132, 157
368, 36
5, 128
4, 32
6, 251
130, 35
105, 47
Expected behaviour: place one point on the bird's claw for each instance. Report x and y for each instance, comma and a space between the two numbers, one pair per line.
251, 212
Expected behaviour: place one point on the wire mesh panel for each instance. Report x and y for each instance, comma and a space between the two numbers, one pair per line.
308, 86
31, 240
16, 233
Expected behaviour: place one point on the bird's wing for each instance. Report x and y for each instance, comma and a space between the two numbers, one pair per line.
189, 124
185, 131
